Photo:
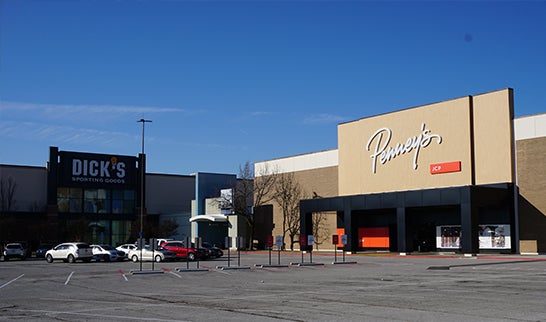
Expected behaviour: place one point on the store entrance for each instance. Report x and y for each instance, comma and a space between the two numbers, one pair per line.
424, 237
423, 224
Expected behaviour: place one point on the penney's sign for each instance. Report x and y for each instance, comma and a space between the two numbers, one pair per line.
383, 151
97, 170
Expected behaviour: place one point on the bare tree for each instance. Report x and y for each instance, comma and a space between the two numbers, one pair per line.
8, 187
287, 195
254, 192
320, 230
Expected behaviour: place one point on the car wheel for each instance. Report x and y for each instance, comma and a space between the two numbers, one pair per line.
106, 258
6, 258
134, 258
87, 260
71, 258
49, 258
191, 256
158, 258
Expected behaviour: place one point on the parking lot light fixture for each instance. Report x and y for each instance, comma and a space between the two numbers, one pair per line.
142, 170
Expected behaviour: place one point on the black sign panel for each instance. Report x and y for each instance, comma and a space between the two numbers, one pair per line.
97, 170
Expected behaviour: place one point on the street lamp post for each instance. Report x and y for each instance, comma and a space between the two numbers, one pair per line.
142, 169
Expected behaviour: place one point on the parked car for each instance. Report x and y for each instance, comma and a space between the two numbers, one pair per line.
106, 253
202, 252
42, 249
213, 250
14, 250
180, 250
70, 252
125, 248
163, 240
158, 255
26, 248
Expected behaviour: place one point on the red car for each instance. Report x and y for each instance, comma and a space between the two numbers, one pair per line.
180, 249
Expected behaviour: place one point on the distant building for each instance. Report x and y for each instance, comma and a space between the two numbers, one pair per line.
97, 198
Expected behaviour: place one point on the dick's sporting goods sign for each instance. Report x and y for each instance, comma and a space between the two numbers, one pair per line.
97, 170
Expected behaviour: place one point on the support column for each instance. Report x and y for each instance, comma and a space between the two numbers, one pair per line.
469, 223
352, 243
401, 229
306, 221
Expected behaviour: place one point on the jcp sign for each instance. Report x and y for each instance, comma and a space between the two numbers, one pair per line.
85, 169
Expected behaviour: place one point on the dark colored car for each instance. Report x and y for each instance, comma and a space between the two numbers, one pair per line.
42, 249
14, 250
26, 248
202, 252
213, 250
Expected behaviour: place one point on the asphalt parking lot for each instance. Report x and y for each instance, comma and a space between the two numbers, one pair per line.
375, 288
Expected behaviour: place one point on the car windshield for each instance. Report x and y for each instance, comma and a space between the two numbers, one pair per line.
82, 245
107, 247
13, 246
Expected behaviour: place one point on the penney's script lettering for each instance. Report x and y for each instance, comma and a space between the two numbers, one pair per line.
382, 138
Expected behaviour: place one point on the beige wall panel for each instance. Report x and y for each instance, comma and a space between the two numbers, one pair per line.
359, 173
493, 137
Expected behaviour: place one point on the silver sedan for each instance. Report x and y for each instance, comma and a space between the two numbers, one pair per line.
158, 255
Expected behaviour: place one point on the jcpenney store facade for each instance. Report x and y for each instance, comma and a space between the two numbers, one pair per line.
438, 177
434, 177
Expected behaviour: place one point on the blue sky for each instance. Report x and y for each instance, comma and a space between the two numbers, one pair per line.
226, 82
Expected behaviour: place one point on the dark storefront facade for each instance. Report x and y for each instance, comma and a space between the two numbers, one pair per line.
425, 220
93, 197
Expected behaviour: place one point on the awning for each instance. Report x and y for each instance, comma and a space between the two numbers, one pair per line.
214, 218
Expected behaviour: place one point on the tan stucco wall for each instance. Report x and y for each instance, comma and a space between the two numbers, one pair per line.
452, 120
493, 137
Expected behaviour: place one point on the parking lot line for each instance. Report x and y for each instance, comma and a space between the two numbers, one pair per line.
123, 274
171, 272
68, 279
13, 280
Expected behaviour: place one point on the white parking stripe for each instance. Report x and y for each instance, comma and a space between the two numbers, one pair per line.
69, 277
13, 280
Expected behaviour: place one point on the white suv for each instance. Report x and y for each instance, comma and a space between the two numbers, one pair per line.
70, 252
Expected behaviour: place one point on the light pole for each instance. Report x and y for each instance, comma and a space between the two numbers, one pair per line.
142, 169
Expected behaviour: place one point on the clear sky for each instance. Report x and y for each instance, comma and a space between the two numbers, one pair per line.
226, 82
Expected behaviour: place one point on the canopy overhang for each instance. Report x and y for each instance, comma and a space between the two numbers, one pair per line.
213, 218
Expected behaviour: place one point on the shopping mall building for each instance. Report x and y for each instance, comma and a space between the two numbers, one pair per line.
97, 198
460, 175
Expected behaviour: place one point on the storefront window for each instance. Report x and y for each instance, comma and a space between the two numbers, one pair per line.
69, 200
63, 199
123, 201
76, 205
121, 230
95, 201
